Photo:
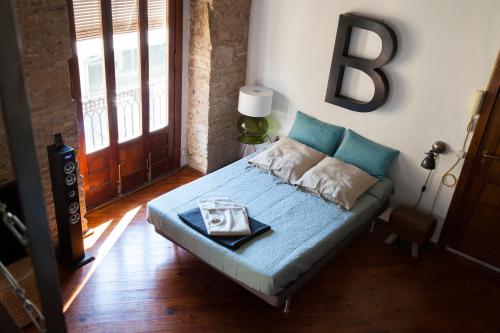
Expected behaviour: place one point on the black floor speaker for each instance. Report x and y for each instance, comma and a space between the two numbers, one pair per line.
64, 176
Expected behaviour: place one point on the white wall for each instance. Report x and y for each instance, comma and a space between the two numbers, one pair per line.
447, 50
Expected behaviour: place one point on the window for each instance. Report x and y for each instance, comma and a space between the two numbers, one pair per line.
129, 101
92, 82
95, 77
128, 79
158, 60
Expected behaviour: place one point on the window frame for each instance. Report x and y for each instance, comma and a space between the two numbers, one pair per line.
174, 87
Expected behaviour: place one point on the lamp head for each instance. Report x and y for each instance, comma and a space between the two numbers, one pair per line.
429, 161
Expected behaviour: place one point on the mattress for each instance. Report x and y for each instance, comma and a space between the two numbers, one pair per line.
304, 226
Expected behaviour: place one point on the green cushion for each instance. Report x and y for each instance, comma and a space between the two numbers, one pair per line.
366, 154
315, 133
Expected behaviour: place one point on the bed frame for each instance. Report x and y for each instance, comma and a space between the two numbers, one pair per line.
284, 297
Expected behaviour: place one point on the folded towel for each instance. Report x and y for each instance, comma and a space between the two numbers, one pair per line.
223, 217
194, 219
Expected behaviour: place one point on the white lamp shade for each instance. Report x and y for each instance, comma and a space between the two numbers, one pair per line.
255, 101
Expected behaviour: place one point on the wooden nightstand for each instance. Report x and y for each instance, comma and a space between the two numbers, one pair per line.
411, 225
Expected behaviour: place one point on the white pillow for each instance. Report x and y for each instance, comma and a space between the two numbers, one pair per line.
337, 181
287, 159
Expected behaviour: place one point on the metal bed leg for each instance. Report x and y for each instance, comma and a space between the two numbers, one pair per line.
391, 238
373, 225
287, 305
414, 250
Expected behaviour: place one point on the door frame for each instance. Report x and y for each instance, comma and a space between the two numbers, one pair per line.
452, 223
176, 36
175, 31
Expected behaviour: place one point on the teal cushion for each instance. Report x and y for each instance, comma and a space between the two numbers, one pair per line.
315, 133
366, 154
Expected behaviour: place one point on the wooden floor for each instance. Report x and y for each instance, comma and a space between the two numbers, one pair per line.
140, 282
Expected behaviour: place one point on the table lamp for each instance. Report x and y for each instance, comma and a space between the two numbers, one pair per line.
254, 104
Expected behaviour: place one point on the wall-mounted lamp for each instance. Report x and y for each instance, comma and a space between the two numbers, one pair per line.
429, 163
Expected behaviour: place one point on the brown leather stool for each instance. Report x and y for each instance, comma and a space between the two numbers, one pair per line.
410, 225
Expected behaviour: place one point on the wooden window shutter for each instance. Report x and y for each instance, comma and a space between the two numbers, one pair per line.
157, 13
125, 16
125, 13
87, 18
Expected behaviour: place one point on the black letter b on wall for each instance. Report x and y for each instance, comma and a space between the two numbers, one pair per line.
341, 60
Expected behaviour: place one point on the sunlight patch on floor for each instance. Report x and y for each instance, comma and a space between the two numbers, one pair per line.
90, 241
103, 251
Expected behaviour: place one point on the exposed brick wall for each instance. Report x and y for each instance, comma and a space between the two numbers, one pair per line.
200, 49
217, 69
44, 31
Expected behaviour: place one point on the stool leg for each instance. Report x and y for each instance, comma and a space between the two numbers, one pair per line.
414, 250
391, 238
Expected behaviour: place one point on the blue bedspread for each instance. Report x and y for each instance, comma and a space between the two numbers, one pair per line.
304, 226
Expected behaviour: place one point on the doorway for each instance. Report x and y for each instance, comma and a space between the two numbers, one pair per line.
472, 227
126, 81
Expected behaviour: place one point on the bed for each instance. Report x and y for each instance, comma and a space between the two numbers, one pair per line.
307, 231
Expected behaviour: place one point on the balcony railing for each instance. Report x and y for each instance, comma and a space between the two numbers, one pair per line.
95, 122
158, 104
128, 114
128, 108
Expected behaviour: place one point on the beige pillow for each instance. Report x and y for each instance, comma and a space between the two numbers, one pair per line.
287, 159
337, 181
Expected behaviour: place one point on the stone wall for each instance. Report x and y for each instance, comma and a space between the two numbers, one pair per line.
44, 31
217, 69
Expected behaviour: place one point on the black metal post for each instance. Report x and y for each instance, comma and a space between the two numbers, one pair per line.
20, 134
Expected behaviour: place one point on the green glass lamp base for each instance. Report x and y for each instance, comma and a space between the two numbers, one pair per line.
251, 140
253, 130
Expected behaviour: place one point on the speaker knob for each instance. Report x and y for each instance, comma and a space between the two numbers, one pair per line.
70, 179
74, 218
69, 167
73, 207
